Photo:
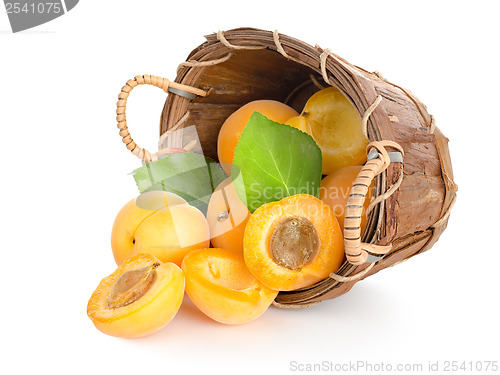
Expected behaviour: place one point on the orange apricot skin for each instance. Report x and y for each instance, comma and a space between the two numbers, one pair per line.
228, 233
148, 314
233, 239
232, 128
335, 189
259, 230
241, 303
172, 232
167, 232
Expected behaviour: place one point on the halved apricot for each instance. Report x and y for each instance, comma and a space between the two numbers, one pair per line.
293, 243
139, 298
227, 217
336, 126
221, 286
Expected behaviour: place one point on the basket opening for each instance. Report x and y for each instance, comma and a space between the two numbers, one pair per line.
248, 75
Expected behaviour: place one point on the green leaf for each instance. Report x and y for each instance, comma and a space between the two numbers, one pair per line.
192, 176
273, 161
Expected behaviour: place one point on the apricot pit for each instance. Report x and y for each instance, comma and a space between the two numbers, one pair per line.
131, 286
294, 243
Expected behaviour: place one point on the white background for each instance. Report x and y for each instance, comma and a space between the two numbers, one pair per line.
64, 178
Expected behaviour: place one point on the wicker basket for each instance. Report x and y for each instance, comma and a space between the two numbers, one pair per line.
413, 195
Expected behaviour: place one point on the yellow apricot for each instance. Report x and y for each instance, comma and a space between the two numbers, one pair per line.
227, 217
161, 224
335, 189
335, 124
220, 285
293, 243
232, 128
157, 199
299, 122
139, 298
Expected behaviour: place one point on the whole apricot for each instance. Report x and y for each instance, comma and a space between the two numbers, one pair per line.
139, 298
161, 224
335, 190
335, 124
232, 128
221, 286
293, 243
227, 217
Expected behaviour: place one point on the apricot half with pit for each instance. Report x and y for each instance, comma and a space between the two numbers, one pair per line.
221, 286
139, 298
159, 223
293, 243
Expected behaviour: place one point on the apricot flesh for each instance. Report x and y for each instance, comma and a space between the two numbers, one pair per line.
311, 245
335, 189
299, 122
139, 298
227, 217
232, 128
221, 286
161, 224
336, 126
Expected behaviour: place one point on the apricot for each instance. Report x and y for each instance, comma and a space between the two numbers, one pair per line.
335, 124
221, 286
299, 122
232, 128
161, 224
335, 189
139, 298
227, 217
293, 243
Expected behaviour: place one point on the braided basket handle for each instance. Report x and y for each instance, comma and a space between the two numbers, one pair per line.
121, 106
356, 251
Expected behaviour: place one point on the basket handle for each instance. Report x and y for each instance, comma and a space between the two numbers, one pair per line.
121, 106
379, 159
